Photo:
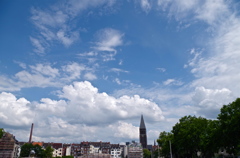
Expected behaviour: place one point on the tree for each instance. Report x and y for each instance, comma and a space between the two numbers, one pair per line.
48, 152
230, 126
27, 147
146, 153
164, 143
1, 132
187, 135
209, 138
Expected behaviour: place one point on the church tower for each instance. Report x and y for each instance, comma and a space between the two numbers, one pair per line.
142, 133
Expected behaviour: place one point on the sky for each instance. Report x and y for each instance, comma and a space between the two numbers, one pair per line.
87, 70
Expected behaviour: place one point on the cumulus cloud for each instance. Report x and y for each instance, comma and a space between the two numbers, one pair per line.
125, 130
209, 101
14, 112
81, 108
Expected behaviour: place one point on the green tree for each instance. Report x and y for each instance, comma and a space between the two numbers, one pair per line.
187, 135
146, 153
208, 139
1, 132
27, 147
48, 152
25, 150
164, 143
230, 127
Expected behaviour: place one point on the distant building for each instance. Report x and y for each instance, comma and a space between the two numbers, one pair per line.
76, 150
116, 151
38, 143
66, 150
143, 133
9, 147
57, 149
135, 150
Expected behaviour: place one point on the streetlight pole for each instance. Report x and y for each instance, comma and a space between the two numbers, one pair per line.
170, 148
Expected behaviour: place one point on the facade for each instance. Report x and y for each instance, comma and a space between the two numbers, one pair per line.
143, 133
57, 149
76, 150
116, 151
135, 150
9, 147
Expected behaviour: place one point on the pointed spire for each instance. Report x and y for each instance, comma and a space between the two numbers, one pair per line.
142, 124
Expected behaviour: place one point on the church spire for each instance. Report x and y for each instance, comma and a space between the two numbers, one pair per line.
143, 133
142, 124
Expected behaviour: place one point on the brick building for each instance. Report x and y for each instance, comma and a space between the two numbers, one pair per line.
9, 147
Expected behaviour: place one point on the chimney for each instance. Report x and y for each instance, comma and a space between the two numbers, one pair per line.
30, 137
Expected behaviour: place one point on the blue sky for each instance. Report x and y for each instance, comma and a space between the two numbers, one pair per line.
87, 70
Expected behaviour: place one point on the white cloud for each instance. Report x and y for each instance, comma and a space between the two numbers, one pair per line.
39, 48
45, 75
212, 10
44, 69
209, 11
172, 82
52, 22
108, 39
209, 101
14, 112
125, 130
161, 69
117, 70
220, 69
67, 40
26, 80
145, 5
82, 113
90, 76
73, 71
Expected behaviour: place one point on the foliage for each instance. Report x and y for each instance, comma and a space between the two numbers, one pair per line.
163, 142
146, 153
48, 152
230, 126
197, 136
1, 132
26, 148
187, 135
209, 138
67, 157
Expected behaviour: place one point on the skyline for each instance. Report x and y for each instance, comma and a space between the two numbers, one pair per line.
87, 70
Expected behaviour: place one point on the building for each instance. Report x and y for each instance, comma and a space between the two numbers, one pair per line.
143, 133
116, 151
66, 150
57, 149
9, 147
76, 150
135, 150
